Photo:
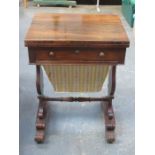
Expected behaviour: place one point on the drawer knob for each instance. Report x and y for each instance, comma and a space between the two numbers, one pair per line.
101, 54
77, 51
51, 53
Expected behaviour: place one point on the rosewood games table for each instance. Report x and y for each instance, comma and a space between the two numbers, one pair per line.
77, 52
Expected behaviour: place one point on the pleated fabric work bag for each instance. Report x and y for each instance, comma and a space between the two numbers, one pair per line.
77, 77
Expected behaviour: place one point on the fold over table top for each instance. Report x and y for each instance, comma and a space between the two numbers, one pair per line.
76, 30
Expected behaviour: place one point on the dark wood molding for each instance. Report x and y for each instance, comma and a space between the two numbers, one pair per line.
75, 99
112, 80
39, 80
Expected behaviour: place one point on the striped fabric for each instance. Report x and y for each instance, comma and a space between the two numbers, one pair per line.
77, 77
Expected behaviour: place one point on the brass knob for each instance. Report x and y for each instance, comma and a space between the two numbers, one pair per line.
101, 54
77, 51
51, 53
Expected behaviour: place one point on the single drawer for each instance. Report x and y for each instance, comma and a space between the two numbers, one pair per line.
47, 55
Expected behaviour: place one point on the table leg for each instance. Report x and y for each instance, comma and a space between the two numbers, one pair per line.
108, 108
109, 122
41, 121
42, 108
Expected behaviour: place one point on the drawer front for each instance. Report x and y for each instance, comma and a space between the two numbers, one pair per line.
47, 55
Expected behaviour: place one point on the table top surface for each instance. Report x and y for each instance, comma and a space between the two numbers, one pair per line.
76, 30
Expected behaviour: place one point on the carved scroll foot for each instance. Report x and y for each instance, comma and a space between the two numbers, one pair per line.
110, 136
40, 136
109, 121
41, 122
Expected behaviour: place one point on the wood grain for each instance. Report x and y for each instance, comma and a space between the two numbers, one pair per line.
75, 30
87, 55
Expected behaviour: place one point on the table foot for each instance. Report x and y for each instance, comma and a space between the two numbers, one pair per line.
40, 136
110, 136
109, 121
41, 122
